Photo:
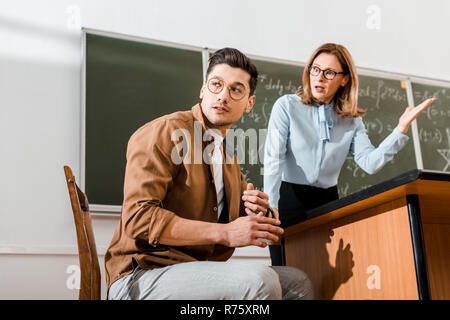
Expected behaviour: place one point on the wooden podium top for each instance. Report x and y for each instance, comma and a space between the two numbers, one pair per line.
420, 182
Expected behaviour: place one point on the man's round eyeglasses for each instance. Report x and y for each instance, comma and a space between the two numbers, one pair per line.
328, 73
236, 91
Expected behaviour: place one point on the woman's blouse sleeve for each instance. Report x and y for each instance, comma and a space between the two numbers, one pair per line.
275, 151
372, 159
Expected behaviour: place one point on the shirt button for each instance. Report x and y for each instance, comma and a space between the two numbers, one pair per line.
215, 208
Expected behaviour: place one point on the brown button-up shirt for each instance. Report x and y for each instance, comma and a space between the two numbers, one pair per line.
156, 188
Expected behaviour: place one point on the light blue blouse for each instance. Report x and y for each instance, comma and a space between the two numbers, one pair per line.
308, 145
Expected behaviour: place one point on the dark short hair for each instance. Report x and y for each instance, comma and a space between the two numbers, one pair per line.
236, 59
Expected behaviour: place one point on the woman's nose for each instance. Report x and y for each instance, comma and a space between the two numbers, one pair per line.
322, 75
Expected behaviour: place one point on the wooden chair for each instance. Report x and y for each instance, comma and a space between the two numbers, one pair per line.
87, 251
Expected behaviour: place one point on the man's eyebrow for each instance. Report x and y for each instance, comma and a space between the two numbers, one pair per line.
233, 83
239, 83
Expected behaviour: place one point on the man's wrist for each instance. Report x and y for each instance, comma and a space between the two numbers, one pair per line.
221, 234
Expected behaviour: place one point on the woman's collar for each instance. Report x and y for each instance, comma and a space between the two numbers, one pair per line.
330, 105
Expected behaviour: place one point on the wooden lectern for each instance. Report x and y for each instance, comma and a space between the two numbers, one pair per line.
390, 241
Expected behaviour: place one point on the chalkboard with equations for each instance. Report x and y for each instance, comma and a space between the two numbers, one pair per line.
130, 81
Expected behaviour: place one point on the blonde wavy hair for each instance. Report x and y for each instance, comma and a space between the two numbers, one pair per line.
346, 98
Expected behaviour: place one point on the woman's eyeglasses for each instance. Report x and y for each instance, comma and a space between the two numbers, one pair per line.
327, 73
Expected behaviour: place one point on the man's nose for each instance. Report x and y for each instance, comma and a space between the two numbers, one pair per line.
224, 95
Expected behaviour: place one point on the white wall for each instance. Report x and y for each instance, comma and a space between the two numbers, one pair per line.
40, 56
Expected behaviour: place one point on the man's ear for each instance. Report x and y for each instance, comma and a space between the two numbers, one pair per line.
251, 103
202, 91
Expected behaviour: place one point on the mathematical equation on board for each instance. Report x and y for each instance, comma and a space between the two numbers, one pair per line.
435, 112
352, 168
442, 93
436, 136
352, 175
376, 126
246, 172
255, 175
380, 93
261, 117
276, 85
269, 89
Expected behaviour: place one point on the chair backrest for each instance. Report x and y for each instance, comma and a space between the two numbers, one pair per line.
87, 251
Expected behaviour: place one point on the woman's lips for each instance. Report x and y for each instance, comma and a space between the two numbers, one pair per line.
319, 89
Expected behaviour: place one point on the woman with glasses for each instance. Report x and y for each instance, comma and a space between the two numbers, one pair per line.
311, 132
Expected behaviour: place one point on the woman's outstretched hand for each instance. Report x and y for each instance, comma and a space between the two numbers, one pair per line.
411, 113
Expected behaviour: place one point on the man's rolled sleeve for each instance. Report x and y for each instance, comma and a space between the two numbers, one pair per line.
158, 222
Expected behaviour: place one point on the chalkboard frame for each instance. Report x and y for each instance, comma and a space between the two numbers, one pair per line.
104, 209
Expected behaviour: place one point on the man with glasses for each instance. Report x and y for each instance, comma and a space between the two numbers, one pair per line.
187, 205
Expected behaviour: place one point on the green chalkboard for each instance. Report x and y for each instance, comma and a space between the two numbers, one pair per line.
384, 100
275, 80
434, 126
129, 83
